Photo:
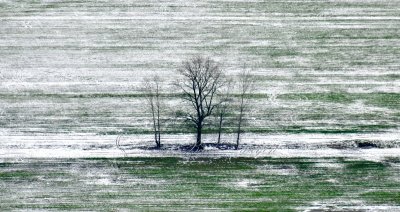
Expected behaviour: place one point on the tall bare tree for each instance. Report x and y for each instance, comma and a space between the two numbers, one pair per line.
152, 89
246, 86
202, 78
224, 105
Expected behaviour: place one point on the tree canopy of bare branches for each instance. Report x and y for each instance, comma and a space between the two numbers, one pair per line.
201, 80
152, 89
224, 105
246, 86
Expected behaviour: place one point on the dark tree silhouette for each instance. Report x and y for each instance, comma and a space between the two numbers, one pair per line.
246, 86
152, 90
201, 80
225, 101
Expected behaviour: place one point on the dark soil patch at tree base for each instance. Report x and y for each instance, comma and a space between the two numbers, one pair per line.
363, 144
190, 147
221, 146
343, 145
366, 145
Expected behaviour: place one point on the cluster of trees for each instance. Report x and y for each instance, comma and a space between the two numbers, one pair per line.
208, 91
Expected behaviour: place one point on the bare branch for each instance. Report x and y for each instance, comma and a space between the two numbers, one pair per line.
246, 85
152, 89
201, 79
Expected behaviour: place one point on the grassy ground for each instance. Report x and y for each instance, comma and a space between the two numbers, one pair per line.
326, 112
76, 67
71, 67
199, 183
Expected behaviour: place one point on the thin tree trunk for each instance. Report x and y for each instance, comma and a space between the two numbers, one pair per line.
238, 134
152, 89
154, 124
158, 119
220, 128
239, 123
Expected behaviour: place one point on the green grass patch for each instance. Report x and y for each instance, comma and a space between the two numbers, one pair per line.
383, 197
389, 100
323, 97
16, 174
4, 165
364, 165
142, 183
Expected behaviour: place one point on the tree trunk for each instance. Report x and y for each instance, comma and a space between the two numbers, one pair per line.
159, 139
220, 128
198, 140
158, 142
158, 124
238, 135
154, 126
240, 122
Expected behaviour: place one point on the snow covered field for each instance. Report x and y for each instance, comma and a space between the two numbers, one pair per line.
323, 132
76, 67
254, 145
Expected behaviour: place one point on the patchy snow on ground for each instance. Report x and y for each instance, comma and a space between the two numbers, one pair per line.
346, 205
252, 145
278, 170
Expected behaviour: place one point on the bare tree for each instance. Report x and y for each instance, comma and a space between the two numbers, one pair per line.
152, 89
224, 105
202, 78
246, 87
